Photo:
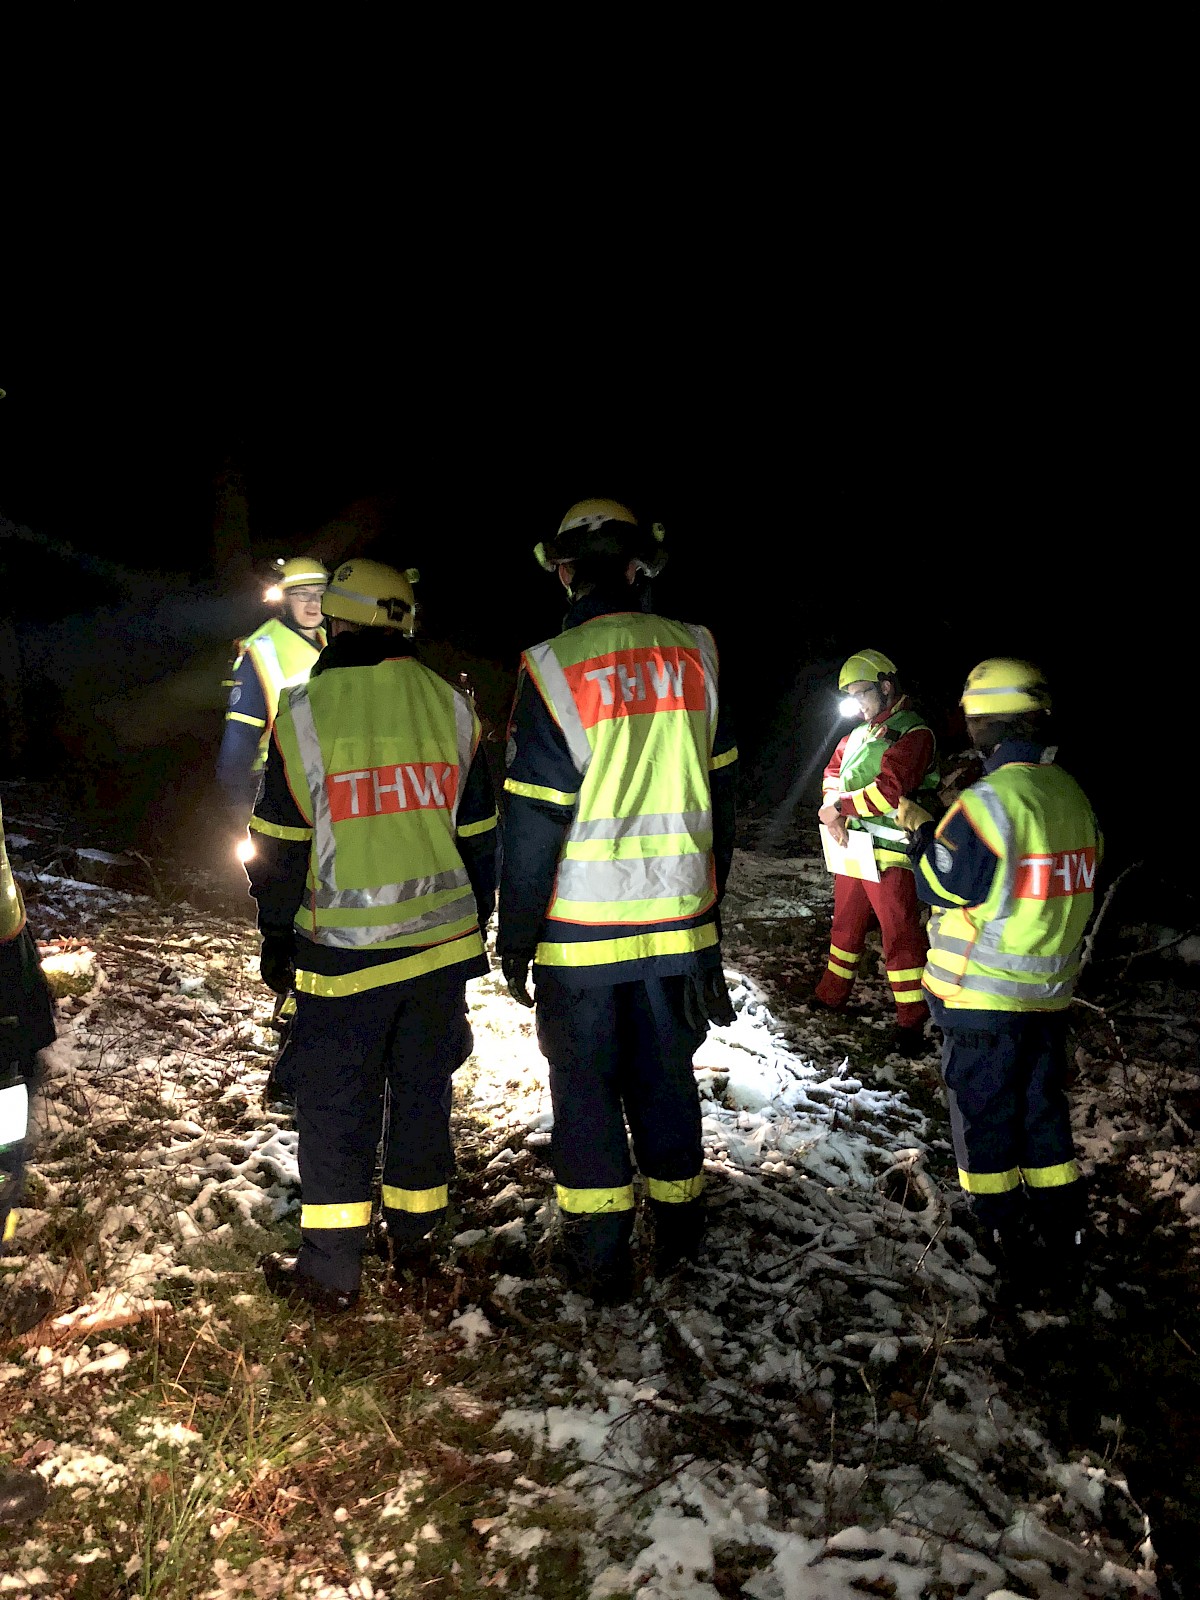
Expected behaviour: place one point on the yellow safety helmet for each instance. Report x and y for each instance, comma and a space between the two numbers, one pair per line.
588, 530
300, 570
374, 595
865, 666
1001, 687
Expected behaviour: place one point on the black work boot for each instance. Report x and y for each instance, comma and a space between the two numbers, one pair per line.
284, 1279
22, 1496
593, 1257
678, 1234
23, 1308
1012, 1248
911, 1042
1064, 1262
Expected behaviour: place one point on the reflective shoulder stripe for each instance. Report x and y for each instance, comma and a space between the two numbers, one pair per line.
265, 656
1001, 821
314, 771
240, 716
467, 730
275, 830
551, 680
725, 759
708, 656
470, 829
535, 791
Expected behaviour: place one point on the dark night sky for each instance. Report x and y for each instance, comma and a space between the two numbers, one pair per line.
942, 500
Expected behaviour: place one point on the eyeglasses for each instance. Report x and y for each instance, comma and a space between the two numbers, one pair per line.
313, 595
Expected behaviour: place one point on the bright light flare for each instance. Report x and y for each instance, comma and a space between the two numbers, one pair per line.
849, 707
273, 595
245, 850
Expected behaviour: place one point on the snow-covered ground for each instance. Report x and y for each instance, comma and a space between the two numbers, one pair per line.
824, 1408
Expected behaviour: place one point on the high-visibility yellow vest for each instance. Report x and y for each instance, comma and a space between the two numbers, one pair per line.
636, 699
282, 658
377, 758
1019, 950
862, 761
12, 906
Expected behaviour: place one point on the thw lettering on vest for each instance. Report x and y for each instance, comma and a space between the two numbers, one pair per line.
627, 683
1050, 877
380, 791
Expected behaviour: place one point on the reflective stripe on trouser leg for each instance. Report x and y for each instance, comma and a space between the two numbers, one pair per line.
1053, 1182
985, 1120
577, 1033
658, 1088
852, 916
894, 901
615, 1051
431, 1041
336, 1063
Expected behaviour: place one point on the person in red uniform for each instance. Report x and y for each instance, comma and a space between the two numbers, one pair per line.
890, 754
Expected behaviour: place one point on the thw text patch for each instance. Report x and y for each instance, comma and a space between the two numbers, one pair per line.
629, 683
379, 791
1050, 877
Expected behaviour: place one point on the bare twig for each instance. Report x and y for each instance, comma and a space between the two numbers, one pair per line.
1090, 941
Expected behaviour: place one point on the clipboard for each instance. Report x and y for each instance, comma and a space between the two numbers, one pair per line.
854, 859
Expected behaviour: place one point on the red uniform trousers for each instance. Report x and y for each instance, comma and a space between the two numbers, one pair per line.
893, 903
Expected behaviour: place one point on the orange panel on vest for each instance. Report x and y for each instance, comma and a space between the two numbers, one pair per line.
378, 791
1051, 877
624, 683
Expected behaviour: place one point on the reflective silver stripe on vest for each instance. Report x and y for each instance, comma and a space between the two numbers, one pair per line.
1004, 959
269, 656
991, 935
464, 730
643, 878
561, 698
689, 823
880, 830
314, 772
1005, 986
391, 894
708, 658
376, 933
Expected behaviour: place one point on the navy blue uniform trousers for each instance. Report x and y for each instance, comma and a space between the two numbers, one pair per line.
617, 1052
409, 1037
1005, 1075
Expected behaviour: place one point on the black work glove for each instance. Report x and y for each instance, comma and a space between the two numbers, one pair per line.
516, 976
706, 999
277, 963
